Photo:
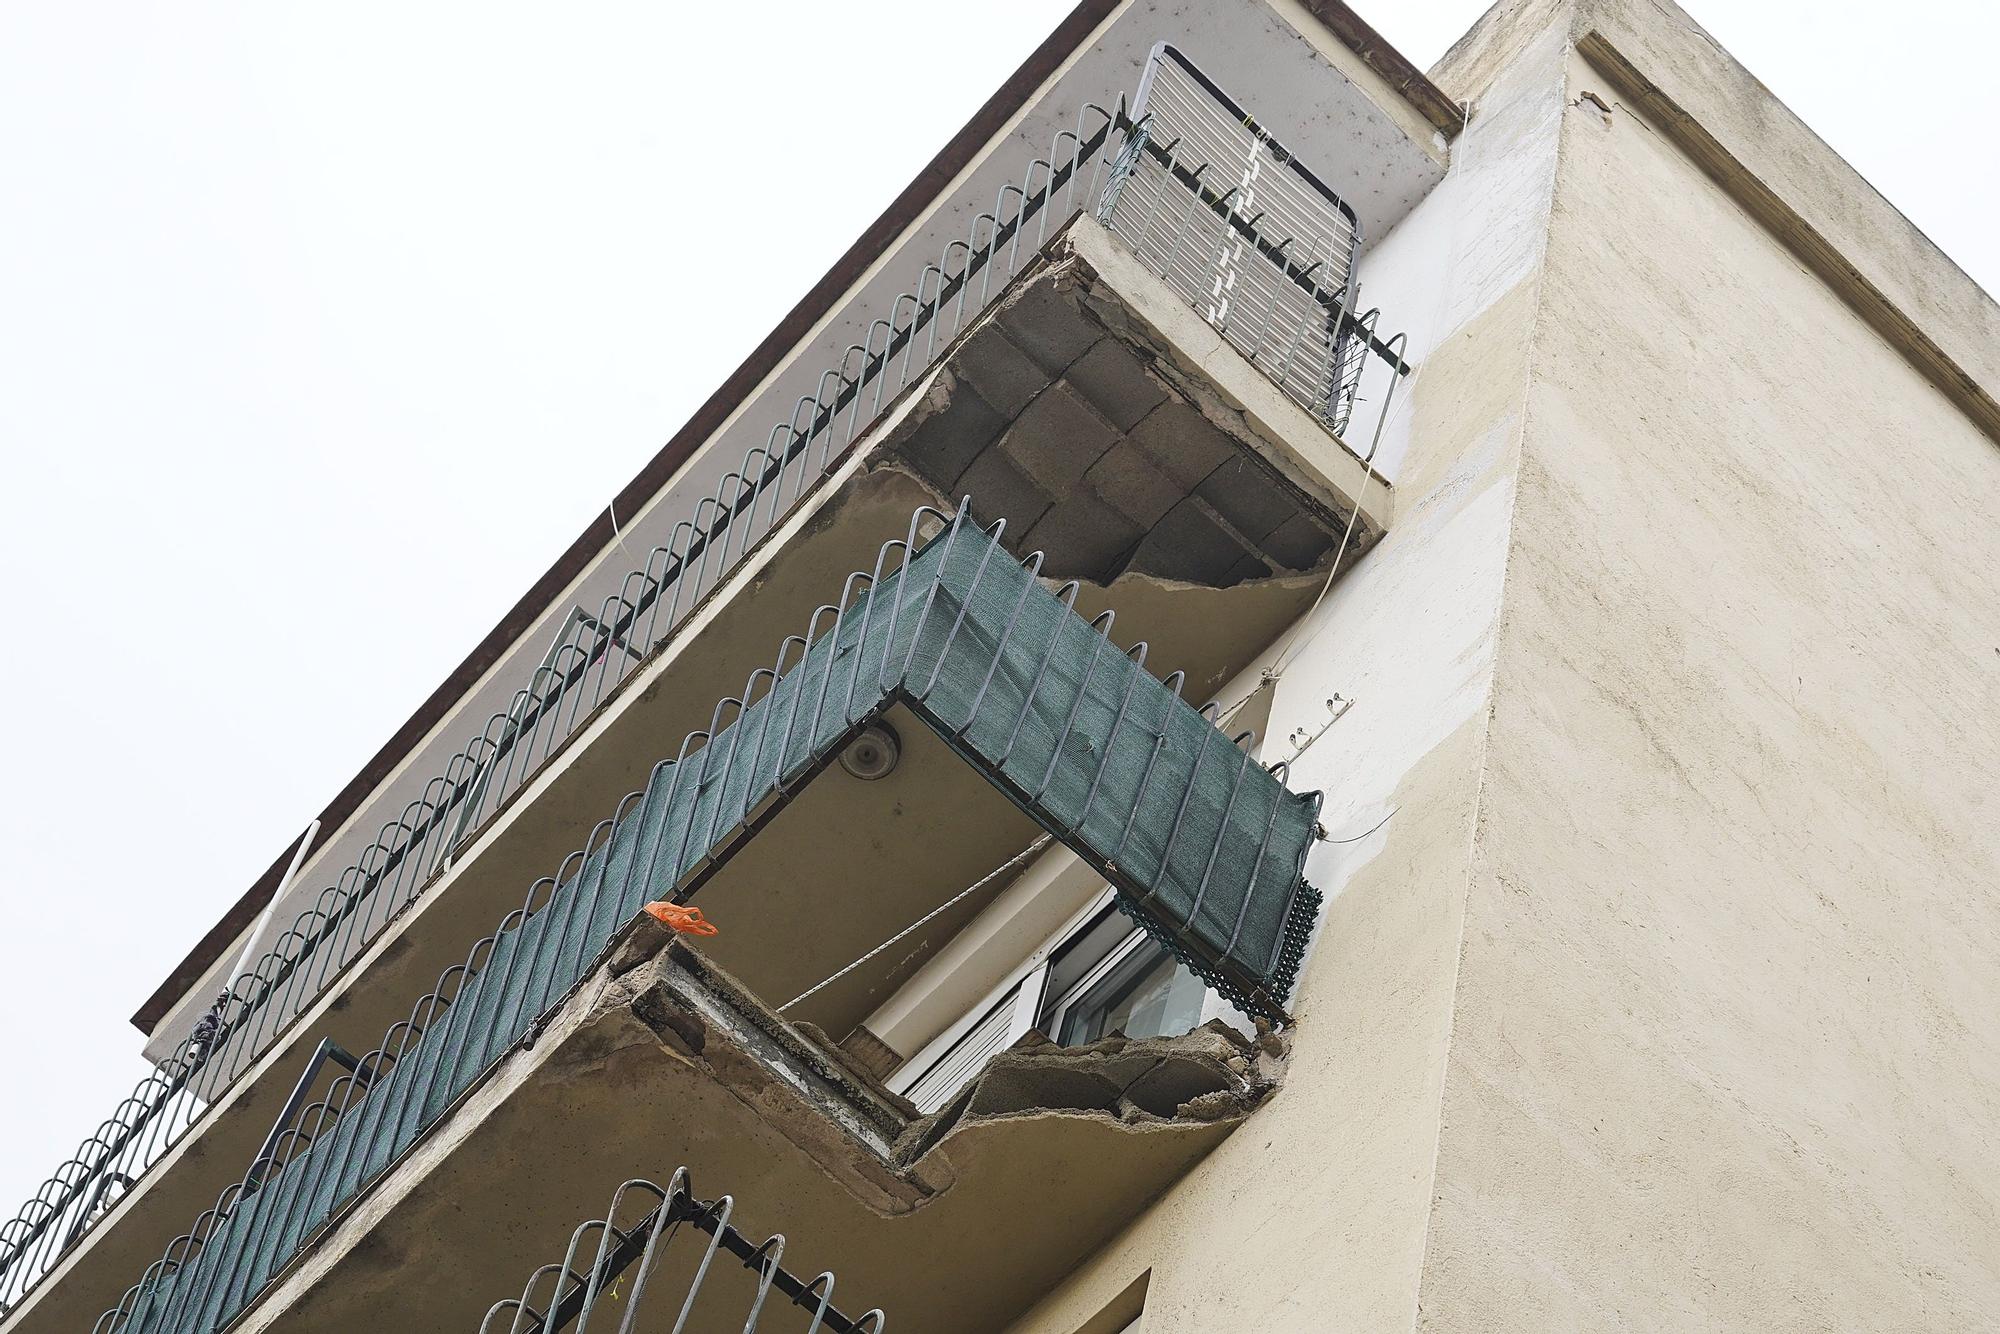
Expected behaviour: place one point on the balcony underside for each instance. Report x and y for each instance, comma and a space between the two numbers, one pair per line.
1026, 704
954, 1222
1120, 434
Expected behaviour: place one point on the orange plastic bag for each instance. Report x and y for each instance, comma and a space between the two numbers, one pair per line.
687, 921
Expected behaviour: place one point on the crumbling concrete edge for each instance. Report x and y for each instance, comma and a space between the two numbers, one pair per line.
1211, 1076
874, 1143
1093, 269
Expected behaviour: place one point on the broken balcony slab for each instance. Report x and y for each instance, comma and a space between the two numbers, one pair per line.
946, 619
1118, 433
609, 755
659, 1058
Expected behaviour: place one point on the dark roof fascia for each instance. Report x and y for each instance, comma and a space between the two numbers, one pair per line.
1376, 52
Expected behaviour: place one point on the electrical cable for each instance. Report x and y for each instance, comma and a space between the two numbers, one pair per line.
1356, 838
1017, 859
1293, 646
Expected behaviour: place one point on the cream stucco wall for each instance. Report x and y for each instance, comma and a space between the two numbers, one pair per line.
1665, 998
1724, 1053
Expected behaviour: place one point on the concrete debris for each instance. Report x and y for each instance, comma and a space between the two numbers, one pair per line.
1210, 1075
829, 1100
865, 1051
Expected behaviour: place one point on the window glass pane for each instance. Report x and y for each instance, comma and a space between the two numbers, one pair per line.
1149, 995
1089, 947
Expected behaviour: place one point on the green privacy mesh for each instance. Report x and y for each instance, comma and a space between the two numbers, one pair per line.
1205, 847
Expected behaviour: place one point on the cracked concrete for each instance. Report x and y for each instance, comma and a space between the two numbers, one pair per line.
1118, 434
1210, 1075
660, 1058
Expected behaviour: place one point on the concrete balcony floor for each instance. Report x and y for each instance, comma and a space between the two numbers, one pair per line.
950, 1223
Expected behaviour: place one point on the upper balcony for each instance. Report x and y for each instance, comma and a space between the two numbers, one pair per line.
1148, 356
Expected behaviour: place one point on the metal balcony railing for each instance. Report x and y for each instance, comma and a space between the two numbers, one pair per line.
1205, 847
590, 658
1246, 235
1202, 194
635, 1234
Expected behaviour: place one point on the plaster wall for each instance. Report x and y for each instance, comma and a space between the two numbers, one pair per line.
1313, 1217
1723, 1052
1873, 243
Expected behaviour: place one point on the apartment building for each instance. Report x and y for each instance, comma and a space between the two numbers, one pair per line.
1300, 696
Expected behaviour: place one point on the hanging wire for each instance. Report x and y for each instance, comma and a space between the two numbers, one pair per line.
1018, 860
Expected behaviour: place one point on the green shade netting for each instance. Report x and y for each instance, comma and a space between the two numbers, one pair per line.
1205, 847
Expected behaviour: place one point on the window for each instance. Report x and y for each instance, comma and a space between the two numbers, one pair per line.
1147, 994
1100, 975
965, 1053
1110, 977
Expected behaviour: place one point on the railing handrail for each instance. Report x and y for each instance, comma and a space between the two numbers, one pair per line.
1230, 184
573, 1292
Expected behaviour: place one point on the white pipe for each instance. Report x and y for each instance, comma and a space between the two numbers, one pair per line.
264, 918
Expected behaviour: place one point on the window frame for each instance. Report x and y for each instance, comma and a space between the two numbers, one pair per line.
1057, 1011
1027, 980
1028, 983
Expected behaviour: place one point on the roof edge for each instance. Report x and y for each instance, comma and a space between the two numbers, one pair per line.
1375, 51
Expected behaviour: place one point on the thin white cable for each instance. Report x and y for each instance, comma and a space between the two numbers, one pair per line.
617, 535
987, 879
1292, 645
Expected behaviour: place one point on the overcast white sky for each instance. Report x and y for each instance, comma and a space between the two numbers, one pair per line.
325, 327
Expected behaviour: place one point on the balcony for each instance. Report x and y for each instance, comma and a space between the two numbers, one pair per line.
637, 1236
846, 1175
572, 1012
1198, 469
